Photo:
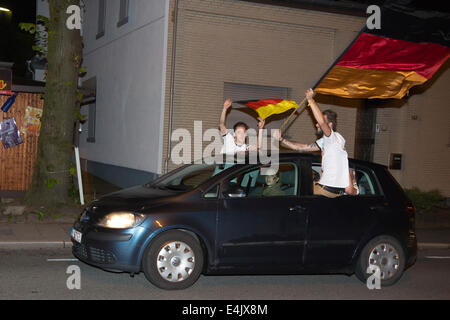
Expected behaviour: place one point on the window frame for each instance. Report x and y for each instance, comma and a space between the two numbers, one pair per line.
92, 119
124, 12
101, 19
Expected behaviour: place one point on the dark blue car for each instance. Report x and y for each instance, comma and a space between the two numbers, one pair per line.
232, 219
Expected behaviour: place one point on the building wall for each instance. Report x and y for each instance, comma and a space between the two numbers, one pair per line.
419, 128
129, 64
230, 41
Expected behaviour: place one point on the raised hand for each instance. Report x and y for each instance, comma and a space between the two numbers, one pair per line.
276, 135
310, 94
261, 122
227, 103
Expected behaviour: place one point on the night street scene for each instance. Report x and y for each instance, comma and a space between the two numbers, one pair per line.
224, 158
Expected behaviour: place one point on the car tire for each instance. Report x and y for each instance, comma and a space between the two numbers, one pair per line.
173, 260
388, 254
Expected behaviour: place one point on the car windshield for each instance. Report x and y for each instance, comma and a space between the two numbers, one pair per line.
190, 176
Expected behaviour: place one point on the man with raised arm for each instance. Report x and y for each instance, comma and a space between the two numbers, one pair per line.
234, 140
335, 179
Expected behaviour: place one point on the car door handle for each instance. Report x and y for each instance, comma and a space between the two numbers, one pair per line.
374, 208
297, 209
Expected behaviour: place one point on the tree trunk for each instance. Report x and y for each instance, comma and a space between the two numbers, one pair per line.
51, 177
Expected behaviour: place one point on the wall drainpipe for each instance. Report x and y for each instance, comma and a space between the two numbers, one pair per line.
172, 83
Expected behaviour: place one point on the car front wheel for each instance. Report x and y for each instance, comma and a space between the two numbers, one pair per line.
384, 253
174, 260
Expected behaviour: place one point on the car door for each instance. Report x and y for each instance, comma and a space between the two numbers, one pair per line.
260, 229
336, 225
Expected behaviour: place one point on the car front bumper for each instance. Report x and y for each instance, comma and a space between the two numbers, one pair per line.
112, 250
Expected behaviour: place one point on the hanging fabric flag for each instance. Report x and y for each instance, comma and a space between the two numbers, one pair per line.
9, 133
267, 107
385, 63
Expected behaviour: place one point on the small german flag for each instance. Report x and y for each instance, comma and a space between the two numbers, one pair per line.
409, 48
267, 107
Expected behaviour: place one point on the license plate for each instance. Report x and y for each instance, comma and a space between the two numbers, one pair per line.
76, 235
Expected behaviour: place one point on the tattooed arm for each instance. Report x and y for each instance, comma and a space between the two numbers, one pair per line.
312, 147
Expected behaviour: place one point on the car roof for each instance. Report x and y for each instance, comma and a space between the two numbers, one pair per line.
285, 155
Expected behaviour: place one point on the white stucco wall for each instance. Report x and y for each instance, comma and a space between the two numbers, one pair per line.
129, 63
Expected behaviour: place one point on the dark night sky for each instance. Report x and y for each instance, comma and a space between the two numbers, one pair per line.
22, 10
15, 44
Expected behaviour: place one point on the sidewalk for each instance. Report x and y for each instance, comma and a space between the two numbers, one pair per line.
27, 230
28, 235
57, 235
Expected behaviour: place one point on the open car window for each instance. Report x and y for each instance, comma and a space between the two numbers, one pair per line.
263, 181
364, 179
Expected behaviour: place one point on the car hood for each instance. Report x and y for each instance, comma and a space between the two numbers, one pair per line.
136, 199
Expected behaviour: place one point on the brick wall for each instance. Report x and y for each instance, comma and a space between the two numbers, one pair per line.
231, 41
418, 127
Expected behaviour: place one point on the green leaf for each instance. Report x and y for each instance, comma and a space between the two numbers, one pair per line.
38, 48
50, 183
28, 27
42, 19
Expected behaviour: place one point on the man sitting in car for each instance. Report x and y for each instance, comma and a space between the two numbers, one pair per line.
273, 184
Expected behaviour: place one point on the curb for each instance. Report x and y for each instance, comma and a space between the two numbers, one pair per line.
35, 244
433, 245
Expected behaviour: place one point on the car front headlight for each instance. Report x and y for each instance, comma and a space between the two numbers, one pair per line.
121, 220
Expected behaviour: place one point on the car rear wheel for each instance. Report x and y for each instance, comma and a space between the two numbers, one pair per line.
174, 260
386, 253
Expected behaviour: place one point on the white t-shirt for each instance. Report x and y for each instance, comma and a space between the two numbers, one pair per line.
229, 144
334, 161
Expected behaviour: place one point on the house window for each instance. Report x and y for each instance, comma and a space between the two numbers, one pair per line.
101, 18
89, 101
123, 12
91, 123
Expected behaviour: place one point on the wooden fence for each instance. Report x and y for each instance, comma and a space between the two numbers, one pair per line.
17, 163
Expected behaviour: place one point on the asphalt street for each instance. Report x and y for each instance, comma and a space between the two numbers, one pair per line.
44, 273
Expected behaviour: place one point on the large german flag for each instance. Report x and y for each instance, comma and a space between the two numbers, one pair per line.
409, 48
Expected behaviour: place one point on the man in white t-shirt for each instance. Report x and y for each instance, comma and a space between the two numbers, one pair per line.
234, 140
335, 178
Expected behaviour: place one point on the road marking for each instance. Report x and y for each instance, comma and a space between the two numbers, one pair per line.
436, 257
61, 260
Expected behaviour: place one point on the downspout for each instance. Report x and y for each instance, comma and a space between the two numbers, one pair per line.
172, 83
